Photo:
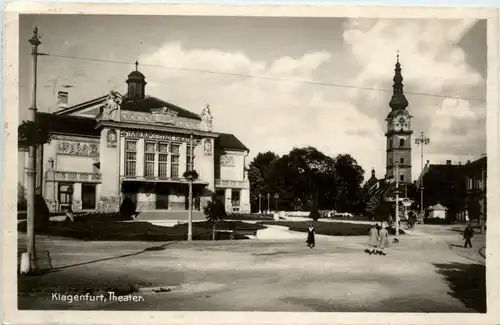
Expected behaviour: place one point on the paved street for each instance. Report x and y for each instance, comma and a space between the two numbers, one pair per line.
425, 272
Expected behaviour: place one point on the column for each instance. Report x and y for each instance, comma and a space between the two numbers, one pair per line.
77, 197
245, 200
140, 158
182, 159
97, 195
228, 195
122, 156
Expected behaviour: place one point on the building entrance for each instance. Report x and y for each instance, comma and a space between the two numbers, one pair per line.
162, 197
88, 197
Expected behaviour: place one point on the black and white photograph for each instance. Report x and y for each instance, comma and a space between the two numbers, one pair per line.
252, 163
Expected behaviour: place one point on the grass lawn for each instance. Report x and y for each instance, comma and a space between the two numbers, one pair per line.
252, 217
93, 230
326, 228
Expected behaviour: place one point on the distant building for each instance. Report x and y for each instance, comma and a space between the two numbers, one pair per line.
399, 131
444, 184
135, 146
475, 184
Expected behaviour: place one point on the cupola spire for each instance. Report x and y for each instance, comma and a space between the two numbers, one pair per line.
136, 84
398, 100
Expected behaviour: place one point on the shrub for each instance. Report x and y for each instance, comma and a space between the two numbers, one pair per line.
437, 221
315, 215
128, 209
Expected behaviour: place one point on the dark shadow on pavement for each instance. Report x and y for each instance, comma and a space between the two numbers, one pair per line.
57, 269
467, 283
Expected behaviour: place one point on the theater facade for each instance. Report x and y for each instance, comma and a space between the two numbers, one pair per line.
136, 146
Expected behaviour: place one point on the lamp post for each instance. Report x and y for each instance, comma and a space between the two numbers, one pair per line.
397, 200
190, 180
260, 203
268, 199
422, 141
28, 260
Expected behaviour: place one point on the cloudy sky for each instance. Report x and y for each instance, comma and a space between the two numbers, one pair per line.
347, 57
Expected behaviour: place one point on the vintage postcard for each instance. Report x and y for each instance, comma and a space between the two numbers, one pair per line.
227, 164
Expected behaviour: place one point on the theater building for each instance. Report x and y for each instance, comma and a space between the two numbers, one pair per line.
136, 146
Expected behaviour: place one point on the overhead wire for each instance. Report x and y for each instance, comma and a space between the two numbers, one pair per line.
241, 75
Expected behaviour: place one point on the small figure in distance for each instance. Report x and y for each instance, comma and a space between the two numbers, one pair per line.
310, 237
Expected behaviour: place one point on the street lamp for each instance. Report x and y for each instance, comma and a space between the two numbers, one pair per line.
397, 201
28, 259
422, 141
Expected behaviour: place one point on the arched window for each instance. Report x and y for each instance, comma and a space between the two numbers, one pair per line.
401, 142
401, 160
402, 178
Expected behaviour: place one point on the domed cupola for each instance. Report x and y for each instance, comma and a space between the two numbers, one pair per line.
136, 84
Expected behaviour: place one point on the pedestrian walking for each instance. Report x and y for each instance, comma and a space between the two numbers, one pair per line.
468, 234
310, 237
383, 235
373, 239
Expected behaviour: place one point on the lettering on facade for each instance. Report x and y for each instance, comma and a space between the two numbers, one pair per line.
227, 160
111, 139
76, 148
207, 147
157, 136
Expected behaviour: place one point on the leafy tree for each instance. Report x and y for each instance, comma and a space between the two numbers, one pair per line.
259, 174
214, 211
349, 176
29, 133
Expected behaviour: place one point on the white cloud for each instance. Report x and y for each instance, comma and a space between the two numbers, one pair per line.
272, 115
432, 63
264, 114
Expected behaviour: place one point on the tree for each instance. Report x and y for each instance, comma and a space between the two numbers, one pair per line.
214, 211
349, 176
260, 174
29, 133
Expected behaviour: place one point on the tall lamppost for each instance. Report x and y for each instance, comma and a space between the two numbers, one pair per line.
29, 257
190, 178
422, 141
397, 200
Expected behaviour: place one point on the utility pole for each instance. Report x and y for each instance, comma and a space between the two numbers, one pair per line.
29, 257
422, 141
190, 204
397, 200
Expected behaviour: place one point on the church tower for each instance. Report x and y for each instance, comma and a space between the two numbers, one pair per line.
398, 163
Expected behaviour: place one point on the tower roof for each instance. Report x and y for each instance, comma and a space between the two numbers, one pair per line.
398, 100
136, 75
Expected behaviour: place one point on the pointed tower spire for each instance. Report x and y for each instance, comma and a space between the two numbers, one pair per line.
398, 100
373, 172
136, 65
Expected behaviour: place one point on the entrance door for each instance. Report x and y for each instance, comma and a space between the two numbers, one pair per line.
162, 197
130, 190
88, 196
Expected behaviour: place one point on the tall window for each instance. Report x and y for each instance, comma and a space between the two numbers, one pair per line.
401, 142
401, 160
130, 157
162, 160
174, 160
149, 159
190, 157
401, 178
